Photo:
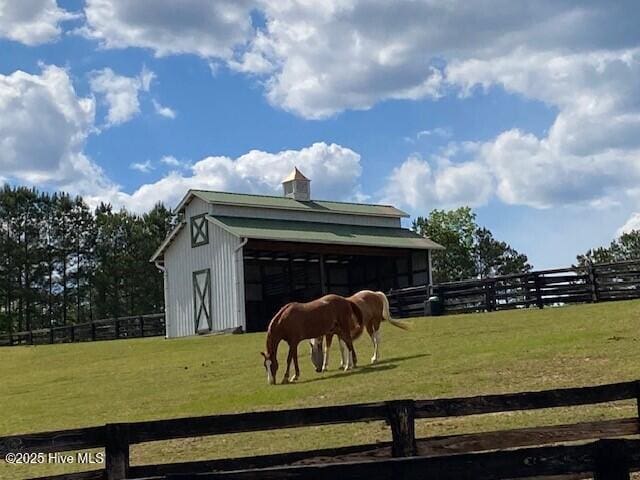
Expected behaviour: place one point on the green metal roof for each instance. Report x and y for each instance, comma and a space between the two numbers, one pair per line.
270, 201
314, 232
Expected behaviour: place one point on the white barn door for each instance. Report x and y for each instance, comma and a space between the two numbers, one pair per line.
202, 300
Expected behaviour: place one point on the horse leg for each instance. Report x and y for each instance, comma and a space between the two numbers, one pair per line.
351, 354
371, 330
325, 360
289, 359
343, 355
375, 338
295, 377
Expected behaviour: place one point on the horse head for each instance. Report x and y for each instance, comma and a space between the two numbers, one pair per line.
271, 366
317, 354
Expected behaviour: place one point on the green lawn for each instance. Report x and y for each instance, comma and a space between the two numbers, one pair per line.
64, 386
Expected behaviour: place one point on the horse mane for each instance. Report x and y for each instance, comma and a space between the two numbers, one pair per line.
271, 342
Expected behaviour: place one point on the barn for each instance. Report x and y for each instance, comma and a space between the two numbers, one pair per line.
234, 259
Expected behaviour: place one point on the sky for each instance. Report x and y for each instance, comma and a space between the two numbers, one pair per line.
527, 111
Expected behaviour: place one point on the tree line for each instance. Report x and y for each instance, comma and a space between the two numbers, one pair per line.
62, 264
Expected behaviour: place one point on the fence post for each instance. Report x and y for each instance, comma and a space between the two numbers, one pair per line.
539, 301
93, 331
116, 449
141, 320
401, 417
117, 329
30, 337
51, 335
593, 280
611, 460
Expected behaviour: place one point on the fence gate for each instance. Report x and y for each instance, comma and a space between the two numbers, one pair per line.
202, 300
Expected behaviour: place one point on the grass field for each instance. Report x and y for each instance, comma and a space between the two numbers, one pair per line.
65, 386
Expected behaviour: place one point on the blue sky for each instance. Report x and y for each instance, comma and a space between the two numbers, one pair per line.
530, 113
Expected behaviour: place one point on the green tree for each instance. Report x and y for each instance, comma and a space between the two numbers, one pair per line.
470, 251
625, 247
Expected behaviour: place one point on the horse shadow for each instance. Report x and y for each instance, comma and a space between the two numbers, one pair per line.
380, 366
402, 359
356, 371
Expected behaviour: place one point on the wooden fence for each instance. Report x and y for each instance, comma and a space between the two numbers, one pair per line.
594, 283
452, 453
108, 329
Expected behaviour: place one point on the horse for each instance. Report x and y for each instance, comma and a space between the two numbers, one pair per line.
375, 309
296, 322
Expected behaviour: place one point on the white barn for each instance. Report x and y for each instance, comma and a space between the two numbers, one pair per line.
235, 259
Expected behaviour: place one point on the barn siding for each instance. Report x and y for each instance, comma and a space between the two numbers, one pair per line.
280, 214
181, 260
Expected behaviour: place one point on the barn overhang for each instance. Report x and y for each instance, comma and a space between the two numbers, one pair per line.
324, 233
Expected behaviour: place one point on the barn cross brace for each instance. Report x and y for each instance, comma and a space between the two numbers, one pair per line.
202, 297
199, 230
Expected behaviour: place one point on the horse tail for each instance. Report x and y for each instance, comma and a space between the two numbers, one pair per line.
386, 314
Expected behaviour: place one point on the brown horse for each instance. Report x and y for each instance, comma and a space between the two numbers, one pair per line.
296, 322
375, 309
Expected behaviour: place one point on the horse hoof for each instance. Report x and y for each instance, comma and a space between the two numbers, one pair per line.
374, 360
293, 378
285, 380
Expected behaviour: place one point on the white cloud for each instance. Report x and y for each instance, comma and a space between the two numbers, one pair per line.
162, 110
350, 54
143, 167
32, 22
171, 161
120, 93
418, 185
435, 132
633, 223
43, 128
334, 171
204, 28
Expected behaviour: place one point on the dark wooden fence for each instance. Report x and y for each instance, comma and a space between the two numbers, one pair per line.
108, 329
611, 459
594, 283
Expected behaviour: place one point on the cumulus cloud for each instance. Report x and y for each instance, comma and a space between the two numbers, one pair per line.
207, 29
32, 22
43, 128
591, 152
120, 93
334, 171
421, 185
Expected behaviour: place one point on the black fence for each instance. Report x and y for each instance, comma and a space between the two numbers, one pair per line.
483, 455
108, 329
593, 283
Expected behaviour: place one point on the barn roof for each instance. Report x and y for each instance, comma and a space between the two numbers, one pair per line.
284, 203
315, 232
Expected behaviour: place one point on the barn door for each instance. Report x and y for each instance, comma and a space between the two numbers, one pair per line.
202, 300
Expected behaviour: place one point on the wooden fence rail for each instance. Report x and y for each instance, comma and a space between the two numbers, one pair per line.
608, 459
593, 283
400, 415
137, 326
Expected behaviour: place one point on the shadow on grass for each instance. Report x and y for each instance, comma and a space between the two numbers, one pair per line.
356, 371
380, 366
402, 359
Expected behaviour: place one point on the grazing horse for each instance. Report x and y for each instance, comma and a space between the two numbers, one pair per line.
296, 322
375, 310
